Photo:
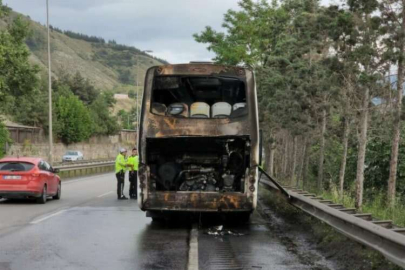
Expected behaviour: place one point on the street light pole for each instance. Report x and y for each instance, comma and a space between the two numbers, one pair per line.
50, 87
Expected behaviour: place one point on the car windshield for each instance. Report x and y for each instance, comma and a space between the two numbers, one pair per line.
71, 153
16, 166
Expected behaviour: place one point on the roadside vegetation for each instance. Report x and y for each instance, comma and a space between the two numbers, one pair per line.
87, 72
80, 110
330, 84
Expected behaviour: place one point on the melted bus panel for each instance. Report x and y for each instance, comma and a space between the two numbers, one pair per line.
198, 140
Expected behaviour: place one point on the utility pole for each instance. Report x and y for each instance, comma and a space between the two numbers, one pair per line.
137, 97
50, 87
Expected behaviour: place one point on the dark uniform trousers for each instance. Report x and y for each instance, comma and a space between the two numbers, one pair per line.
133, 184
120, 183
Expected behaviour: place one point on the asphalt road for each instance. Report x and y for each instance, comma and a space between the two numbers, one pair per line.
90, 229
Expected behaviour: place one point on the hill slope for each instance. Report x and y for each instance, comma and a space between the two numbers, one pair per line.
107, 65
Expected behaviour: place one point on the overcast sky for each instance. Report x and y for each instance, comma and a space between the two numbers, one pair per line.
166, 27
163, 26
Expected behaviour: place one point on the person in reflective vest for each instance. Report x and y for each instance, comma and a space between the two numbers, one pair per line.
133, 163
120, 168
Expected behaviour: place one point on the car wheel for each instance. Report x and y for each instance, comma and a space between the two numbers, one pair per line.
44, 196
58, 193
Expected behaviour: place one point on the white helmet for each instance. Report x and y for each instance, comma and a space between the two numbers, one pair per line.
123, 150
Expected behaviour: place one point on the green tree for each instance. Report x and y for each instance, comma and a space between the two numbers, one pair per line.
394, 31
125, 76
342, 33
33, 109
81, 87
366, 56
127, 118
17, 76
108, 98
73, 120
251, 34
103, 122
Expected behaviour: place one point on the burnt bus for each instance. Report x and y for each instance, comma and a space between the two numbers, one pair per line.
198, 140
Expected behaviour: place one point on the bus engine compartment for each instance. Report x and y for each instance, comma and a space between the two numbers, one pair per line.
198, 164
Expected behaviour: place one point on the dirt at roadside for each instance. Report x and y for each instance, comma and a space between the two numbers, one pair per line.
307, 237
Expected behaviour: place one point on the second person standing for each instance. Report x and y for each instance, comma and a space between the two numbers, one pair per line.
133, 164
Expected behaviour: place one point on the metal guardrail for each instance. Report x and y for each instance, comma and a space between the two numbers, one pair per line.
380, 235
84, 166
70, 163
77, 170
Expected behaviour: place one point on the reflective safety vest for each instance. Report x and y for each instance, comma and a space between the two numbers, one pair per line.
120, 163
133, 160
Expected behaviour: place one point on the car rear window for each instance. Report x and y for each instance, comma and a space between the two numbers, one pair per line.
16, 166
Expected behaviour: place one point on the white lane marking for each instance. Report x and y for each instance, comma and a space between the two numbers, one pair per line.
193, 249
47, 217
105, 194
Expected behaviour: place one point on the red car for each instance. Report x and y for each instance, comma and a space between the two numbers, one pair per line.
28, 178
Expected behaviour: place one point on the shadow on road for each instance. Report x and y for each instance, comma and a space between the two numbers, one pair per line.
203, 220
21, 201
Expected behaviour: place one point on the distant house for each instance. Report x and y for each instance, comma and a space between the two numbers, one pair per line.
121, 96
20, 133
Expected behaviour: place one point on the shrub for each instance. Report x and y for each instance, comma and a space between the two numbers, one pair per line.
73, 120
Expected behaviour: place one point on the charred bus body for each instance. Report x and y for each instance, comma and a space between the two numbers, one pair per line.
198, 140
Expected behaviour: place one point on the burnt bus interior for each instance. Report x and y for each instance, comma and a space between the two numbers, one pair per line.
195, 163
199, 97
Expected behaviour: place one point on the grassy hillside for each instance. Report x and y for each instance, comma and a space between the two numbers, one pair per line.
109, 66
124, 104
